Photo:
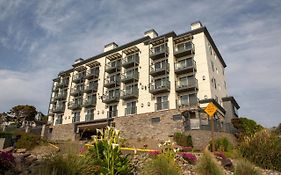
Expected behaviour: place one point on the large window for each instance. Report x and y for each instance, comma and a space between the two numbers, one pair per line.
183, 46
187, 100
161, 82
112, 111
162, 102
131, 108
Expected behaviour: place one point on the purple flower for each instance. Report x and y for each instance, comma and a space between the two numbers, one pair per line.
191, 158
6, 160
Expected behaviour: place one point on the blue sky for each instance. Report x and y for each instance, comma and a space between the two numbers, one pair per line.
40, 38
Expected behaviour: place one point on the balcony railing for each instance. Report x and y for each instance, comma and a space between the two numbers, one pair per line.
130, 61
112, 114
113, 66
61, 96
157, 87
91, 88
129, 94
76, 91
131, 77
185, 66
92, 74
156, 70
76, 119
184, 49
130, 110
59, 109
162, 105
74, 105
109, 83
190, 84
63, 83
158, 51
111, 98
89, 102
78, 78
89, 117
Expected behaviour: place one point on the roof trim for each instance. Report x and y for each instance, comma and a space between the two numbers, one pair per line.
232, 99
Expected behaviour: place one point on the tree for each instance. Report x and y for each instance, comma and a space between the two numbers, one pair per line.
245, 126
24, 113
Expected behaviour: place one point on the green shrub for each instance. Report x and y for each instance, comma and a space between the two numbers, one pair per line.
263, 149
28, 141
6, 135
208, 166
222, 144
244, 167
161, 165
69, 164
182, 139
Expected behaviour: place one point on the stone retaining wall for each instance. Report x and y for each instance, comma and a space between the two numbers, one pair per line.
62, 132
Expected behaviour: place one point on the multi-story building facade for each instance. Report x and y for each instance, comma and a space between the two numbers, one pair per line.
172, 76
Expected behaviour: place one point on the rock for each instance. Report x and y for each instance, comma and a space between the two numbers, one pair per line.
227, 163
9, 149
21, 150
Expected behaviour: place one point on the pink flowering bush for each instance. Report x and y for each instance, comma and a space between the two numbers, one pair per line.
191, 158
153, 153
186, 148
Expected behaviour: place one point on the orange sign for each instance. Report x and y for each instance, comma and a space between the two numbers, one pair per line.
211, 109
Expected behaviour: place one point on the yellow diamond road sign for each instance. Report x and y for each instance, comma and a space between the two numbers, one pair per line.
211, 109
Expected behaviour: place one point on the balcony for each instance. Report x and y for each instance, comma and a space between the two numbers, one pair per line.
162, 105
59, 109
89, 117
130, 110
61, 96
87, 103
111, 98
92, 74
129, 94
78, 78
130, 61
109, 83
55, 88
76, 119
74, 105
58, 121
52, 101
112, 114
113, 66
130, 77
76, 91
191, 101
91, 88
156, 88
184, 49
185, 66
162, 69
184, 86
158, 52
63, 83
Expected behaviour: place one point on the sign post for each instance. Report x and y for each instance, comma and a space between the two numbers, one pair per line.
211, 110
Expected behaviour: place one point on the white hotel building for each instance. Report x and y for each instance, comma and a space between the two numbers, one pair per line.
155, 75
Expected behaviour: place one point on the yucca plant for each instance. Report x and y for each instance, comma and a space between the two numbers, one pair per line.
244, 167
207, 165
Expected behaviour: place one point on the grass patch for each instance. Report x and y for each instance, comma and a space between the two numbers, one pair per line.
208, 166
244, 167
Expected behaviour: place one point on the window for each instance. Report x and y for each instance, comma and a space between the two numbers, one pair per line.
159, 48
131, 108
184, 46
215, 83
131, 72
76, 117
131, 88
161, 82
161, 65
184, 63
213, 67
177, 117
113, 93
162, 102
112, 112
133, 57
155, 120
188, 99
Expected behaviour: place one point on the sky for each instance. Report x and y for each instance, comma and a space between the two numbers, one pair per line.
38, 39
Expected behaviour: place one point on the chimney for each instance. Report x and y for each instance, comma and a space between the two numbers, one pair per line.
110, 46
196, 25
151, 33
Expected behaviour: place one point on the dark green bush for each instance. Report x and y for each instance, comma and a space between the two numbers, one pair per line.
208, 166
263, 149
222, 144
28, 141
6, 135
182, 139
